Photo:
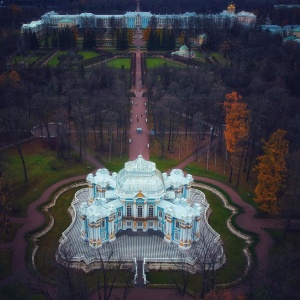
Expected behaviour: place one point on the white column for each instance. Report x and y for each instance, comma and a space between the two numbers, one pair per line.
188, 192
109, 229
134, 212
145, 209
91, 193
181, 233
184, 234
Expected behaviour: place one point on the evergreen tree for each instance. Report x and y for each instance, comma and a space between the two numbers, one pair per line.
85, 40
54, 39
46, 45
34, 43
151, 40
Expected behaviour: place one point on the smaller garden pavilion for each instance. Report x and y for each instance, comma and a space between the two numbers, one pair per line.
167, 215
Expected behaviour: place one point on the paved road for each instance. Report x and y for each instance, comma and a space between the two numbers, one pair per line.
138, 145
139, 141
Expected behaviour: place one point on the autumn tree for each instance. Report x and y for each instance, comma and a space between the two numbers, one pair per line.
237, 118
146, 33
272, 171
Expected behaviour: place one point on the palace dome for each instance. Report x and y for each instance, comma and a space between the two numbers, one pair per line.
140, 175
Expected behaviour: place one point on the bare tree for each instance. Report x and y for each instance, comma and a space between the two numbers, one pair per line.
70, 282
109, 273
209, 257
184, 275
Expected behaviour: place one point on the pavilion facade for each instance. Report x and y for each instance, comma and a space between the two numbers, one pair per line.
140, 197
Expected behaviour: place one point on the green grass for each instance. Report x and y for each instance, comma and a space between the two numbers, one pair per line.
48, 243
244, 192
233, 246
5, 262
235, 260
43, 168
155, 62
164, 164
32, 59
88, 54
16, 291
12, 229
120, 63
198, 54
116, 163
218, 57
17, 59
54, 61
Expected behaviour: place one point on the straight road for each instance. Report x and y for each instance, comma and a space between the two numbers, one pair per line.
138, 138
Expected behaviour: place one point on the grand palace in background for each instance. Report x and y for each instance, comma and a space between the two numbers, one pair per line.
137, 19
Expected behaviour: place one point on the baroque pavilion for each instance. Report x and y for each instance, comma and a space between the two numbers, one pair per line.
140, 197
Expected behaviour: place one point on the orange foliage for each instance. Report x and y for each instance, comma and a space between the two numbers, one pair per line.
181, 38
15, 9
75, 33
130, 37
14, 77
146, 33
237, 122
272, 172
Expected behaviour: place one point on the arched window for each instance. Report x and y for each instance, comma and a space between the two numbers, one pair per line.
128, 210
150, 211
140, 211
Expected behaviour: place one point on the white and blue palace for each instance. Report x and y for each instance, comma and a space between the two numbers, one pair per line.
137, 19
140, 197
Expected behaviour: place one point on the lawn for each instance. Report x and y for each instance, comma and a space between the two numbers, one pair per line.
120, 63
155, 62
245, 193
164, 164
54, 61
31, 59
88, 54
18, 59
218, 57
48, 243
116, 163
233, 246
43, 168
5, 262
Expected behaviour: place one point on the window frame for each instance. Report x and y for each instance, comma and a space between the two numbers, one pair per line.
128, 210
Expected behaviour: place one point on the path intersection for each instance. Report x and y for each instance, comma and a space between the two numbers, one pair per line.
139, 144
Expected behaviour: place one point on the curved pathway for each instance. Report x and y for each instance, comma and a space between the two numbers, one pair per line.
35, 219
139, 144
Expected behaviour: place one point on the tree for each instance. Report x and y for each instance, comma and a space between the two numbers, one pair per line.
237, 130
290, 202
272, 171
209, 256
109, 272
4, 206
146, 33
